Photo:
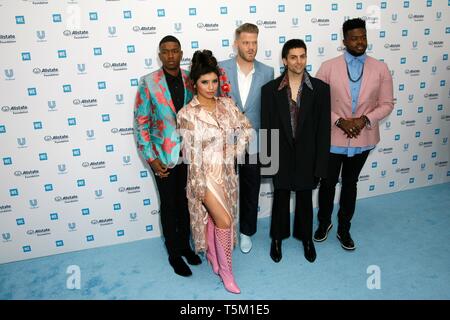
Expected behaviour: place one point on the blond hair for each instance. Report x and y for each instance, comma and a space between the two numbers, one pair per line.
246, 27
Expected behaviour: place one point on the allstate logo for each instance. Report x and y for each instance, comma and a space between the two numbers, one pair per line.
58, 198
30, 232
76, 101
95, 221
136, 28
48, 138
341, 48
155, 212
18, 173
36, 70
114, 130
67, 33
314, 20
5, 109
259, 22
121, 189
107, 65
200, 25
85, 164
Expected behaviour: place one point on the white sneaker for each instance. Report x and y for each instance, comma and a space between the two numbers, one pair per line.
245, 243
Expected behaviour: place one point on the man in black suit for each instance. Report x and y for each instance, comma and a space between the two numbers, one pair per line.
297, 105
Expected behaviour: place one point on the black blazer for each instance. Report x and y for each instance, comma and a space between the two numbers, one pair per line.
303, 160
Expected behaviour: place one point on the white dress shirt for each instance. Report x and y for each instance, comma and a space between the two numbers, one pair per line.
244, 82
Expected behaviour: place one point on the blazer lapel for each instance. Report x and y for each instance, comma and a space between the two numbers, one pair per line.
235, 85
306, 101
365, 80
166, 92
283, 108
344, 76
255, 84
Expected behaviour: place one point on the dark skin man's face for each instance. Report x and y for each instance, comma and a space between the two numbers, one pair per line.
355, 41
170, 55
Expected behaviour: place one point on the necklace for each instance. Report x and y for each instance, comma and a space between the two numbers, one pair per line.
348, 73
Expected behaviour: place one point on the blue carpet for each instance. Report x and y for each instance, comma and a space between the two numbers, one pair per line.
405, 234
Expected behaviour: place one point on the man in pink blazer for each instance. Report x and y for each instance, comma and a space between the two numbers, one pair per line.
361, 96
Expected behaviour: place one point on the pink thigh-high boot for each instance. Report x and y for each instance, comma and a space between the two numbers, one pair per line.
224, 249
211, 254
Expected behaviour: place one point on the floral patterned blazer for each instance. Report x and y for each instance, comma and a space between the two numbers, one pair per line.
155, 118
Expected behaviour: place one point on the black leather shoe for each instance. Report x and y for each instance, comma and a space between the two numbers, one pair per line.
180, 267
321, 233
191, 257
275, 250
310, 250
346, 241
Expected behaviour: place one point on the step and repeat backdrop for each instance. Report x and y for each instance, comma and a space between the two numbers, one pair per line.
71, 177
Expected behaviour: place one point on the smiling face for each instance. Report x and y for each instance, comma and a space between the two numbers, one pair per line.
207, 85
295, 61
170, 55
355, 41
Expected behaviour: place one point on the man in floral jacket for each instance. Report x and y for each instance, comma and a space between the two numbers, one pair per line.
160, 96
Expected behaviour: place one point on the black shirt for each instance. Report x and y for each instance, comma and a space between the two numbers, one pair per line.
176, 88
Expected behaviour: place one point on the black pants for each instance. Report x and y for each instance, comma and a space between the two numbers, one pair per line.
249, 186
174, 210
280, 223
351, 168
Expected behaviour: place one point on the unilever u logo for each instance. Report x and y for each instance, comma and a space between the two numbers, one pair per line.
40, 34
72, 225
126, 159
21, 141
112, 30
51, 104
148, 62
238, 23
406, 146
438, 15
133, 215
295, 21
414, 44
9, 73
90, 133
81, 67
6, 236
33, 203
394, 17
98, 193
268, 53
177, 26
61, 167
321, 50
433, 69
388, 124
411, 98
383, 173
119, 98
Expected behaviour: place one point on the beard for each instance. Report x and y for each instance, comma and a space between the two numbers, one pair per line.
356, 54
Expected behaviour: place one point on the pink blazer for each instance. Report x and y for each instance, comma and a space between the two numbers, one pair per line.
375, 100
